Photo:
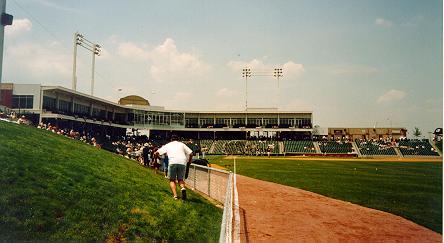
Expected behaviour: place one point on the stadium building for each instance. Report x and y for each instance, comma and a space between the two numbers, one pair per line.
72, 109
253, 132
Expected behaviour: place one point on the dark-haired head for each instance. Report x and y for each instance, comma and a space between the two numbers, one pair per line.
174, 137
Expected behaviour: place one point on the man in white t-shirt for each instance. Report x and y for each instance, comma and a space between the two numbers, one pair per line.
178, 156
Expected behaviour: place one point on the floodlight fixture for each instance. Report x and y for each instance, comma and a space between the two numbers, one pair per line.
94, 48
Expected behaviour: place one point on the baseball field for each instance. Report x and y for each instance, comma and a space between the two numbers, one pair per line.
410, 188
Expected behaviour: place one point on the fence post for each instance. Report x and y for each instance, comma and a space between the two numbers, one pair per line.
209, 181
195, 179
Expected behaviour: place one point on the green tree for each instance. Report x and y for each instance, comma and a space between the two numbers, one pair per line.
417, 132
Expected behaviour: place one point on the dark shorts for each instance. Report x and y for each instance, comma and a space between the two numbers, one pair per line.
176, 172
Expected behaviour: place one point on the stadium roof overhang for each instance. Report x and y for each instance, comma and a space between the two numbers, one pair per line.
160, 108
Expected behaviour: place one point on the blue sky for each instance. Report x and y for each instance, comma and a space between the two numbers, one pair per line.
353, 63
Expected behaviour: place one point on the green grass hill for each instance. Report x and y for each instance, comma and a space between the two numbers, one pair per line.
57, 189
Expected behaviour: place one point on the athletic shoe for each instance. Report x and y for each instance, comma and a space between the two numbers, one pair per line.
184, 194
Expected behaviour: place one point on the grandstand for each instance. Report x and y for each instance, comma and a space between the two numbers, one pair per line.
376, 148
415, 147
72, 109
252, 132
335, 147
299, 147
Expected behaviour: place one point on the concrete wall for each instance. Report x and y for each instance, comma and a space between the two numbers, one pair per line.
29, 89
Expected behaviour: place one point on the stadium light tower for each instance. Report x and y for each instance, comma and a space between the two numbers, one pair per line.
246, 73
277, 74
94, 48
6, 19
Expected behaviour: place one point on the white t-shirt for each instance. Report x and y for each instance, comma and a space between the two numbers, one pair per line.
178, 153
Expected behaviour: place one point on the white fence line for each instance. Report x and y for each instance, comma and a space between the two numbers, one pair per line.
221, 186
227, 217
207, 180
236, 230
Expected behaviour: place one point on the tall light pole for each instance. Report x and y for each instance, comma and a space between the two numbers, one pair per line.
6, 19
94, 48
277, 74
74, 63
246, 73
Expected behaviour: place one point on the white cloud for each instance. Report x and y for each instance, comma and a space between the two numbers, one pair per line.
224, 92
18, 27
41, 63
383, 22
254, 64
290, 68
131, 51
169, 63
392, 95
165, 61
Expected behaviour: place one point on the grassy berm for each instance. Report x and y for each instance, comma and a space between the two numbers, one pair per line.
57, 189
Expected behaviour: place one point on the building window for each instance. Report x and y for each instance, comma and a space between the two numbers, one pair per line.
64, 106
49, 103
81, 109
22, 101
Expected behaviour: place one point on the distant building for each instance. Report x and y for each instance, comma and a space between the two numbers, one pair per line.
366, 133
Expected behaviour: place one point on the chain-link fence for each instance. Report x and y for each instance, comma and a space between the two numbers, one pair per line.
210, 181
218, 185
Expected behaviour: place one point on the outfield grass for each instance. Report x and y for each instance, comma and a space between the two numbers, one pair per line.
57, 189
408, 189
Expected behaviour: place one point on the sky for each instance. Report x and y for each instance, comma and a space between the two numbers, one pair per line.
353, 63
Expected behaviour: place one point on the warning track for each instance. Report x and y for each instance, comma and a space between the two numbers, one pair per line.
276, 213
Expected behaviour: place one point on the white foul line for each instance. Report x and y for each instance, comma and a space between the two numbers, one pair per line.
236, 233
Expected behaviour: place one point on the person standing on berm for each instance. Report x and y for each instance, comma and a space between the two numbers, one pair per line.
178, 156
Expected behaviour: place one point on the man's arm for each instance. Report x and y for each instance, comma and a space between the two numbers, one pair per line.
189, 152
190, 158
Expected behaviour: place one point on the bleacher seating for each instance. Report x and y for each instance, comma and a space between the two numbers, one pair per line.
375, 147
205, 145
219, 146
304, 147
415, 147
366, 148
335, 147
235, 147
261, 147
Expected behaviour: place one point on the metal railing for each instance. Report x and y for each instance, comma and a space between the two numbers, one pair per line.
218, 185
210, 181
226, 227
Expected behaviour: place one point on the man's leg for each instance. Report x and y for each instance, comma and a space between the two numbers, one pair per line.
183, 189
180, 178
173, 187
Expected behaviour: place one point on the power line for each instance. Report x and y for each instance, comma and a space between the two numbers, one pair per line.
39, 23
63, 45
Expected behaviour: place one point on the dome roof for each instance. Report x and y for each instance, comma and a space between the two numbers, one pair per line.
134, 100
